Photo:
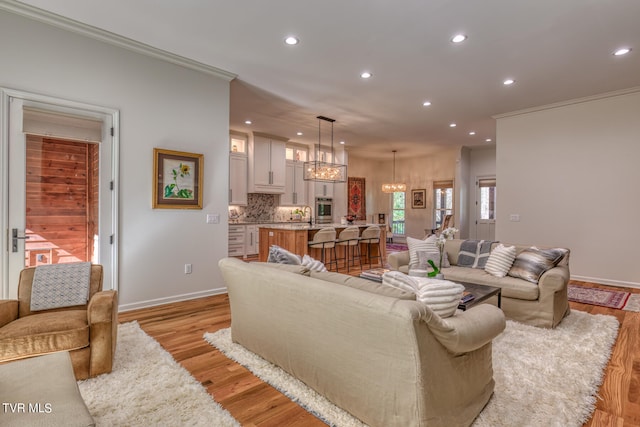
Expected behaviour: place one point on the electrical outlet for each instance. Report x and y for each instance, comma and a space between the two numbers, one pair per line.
187, 269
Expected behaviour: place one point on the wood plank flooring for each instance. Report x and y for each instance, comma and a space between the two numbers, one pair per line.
179, 328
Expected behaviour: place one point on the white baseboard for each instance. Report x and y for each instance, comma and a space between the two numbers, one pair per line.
168, 300
618, 283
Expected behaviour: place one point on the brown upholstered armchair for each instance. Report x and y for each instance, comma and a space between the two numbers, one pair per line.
87, 331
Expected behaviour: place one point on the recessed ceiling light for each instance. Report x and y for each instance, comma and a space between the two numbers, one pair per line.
299, 133
426, 103
472, 133
622, 51
452, 125
487, 140
366, 75
247, 122
291, 40
342, 142
508, 82
458, 38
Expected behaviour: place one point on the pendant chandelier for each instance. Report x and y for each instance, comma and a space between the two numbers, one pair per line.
394, 187
321, 171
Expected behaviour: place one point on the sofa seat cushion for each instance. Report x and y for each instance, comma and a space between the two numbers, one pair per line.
363, 284
44, 333
511, 287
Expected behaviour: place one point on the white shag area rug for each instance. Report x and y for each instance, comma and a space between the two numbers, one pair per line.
544, 377
147, 387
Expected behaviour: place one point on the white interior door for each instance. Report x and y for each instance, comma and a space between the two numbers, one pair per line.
56, 122
486, 208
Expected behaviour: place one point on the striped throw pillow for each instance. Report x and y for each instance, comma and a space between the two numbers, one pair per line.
500, 260
415, 245
313, 264
441, 296
531, 263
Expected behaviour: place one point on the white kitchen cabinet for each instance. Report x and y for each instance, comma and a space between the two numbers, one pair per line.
251, 240
267, 165
295, 190
236, 240
324, 189
238, 179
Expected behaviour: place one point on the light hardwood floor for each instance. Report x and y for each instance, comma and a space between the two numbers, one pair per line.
179, 328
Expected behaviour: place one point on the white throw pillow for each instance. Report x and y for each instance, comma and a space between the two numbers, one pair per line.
415, 245
441, 296
313, 264
500, 260
400, 280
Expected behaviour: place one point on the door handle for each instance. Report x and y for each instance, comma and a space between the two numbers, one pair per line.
14, 239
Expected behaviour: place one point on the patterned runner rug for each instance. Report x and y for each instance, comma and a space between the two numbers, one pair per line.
610, 298
396, 247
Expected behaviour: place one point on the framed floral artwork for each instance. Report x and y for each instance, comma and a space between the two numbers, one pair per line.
177, 179
418, 198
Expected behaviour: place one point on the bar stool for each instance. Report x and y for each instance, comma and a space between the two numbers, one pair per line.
325, 239
371, 237
349, 239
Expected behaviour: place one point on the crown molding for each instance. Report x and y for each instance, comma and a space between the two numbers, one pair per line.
110, 38
569, 102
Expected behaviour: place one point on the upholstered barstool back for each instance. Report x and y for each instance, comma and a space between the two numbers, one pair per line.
349, 239
371, 238
325, 239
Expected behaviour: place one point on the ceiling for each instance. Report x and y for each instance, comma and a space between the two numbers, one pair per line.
554, 50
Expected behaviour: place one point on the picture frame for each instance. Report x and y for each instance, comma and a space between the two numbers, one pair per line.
177, 179
418, 198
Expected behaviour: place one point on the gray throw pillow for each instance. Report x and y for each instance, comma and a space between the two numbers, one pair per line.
282, 256
474, 253
531, 263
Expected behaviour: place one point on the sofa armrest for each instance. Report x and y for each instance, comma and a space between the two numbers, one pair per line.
102, 314
102, 307
8, 311
554, 280
467, 330
398, 259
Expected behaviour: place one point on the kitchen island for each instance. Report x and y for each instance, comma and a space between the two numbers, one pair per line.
295, 237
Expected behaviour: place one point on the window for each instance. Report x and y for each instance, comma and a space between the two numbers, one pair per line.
487, 187
442, 201
397, 216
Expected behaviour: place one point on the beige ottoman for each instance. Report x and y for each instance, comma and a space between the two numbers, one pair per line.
41, 391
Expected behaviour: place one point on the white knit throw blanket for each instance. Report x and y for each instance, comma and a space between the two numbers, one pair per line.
60, 285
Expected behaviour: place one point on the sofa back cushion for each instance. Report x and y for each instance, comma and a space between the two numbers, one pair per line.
363, 284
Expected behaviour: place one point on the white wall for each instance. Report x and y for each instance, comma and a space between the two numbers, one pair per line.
482, 163
416, 172
161, 105
571, 173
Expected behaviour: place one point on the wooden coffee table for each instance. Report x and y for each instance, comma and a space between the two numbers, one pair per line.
481, 293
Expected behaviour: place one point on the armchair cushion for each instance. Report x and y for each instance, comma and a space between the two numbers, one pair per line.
44, 333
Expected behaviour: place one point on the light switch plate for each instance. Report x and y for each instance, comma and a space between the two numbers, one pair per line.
213, 218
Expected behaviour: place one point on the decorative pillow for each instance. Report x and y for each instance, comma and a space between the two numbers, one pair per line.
441, 296
400, 280
415, 245
425, 256
282, 256
313, 264
531, 263
500, 260
474, 253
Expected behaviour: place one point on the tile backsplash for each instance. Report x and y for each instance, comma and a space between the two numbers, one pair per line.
261, 208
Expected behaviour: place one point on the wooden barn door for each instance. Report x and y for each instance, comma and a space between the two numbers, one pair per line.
61, 205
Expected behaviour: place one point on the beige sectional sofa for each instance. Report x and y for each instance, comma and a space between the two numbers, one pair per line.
369, 348
544, 304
